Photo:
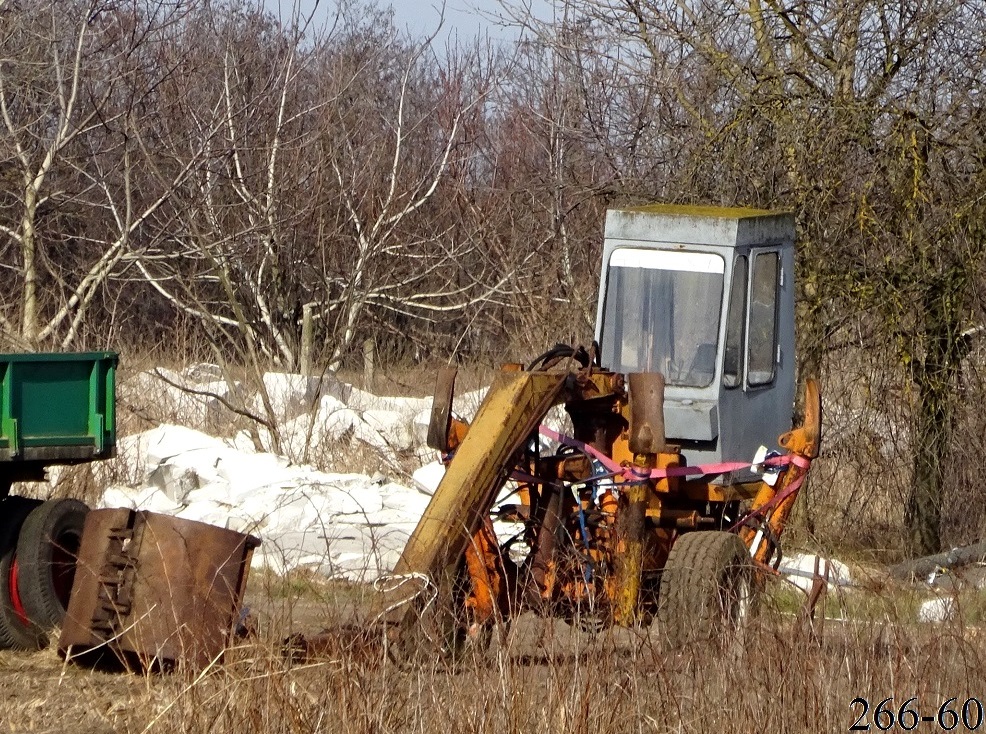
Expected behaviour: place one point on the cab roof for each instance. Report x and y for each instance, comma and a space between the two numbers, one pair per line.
700, 225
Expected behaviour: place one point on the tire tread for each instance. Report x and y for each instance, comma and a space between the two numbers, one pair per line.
37, 589
699, 563
14, 634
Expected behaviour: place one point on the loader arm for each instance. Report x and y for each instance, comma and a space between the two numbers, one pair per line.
512, 410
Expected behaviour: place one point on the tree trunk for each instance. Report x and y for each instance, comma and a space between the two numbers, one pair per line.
936, 380
931, 446
29, 296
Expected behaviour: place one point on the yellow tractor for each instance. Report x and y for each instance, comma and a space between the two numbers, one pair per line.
659, 501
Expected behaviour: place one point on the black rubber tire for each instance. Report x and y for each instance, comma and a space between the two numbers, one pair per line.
707, 591
47, 548
15, 632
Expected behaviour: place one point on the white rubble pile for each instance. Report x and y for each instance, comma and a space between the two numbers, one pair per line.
799, 569
346, 525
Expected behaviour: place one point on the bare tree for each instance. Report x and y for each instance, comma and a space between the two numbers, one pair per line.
397, 143
234, 257
75, 82
323, 195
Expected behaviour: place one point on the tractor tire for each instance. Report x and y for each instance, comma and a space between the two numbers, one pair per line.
47, 550
707, 589
17, 632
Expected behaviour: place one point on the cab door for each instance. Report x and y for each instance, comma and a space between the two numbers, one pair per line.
758, 354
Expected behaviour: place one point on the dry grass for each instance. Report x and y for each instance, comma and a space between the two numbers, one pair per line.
546, 677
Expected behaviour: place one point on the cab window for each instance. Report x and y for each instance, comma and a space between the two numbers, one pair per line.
762, 329
732, 369
661, 314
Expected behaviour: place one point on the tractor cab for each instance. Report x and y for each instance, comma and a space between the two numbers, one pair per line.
705, 296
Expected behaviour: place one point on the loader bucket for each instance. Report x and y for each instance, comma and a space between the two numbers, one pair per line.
155, 591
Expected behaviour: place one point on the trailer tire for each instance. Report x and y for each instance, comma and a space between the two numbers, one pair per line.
17, 632
707, 590
47, 548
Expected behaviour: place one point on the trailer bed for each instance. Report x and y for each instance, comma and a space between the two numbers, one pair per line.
56, 409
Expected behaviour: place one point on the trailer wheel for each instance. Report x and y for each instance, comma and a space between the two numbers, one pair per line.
16, 629
707, 589
46, 555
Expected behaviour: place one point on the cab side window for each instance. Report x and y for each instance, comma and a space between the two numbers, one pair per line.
762, 350
732, 370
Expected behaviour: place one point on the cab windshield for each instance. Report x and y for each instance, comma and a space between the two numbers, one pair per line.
661, 314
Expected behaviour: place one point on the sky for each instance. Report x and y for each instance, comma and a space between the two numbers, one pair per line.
466, 18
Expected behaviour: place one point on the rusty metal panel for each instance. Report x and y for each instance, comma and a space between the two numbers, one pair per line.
441, 410
156, 590
92, 610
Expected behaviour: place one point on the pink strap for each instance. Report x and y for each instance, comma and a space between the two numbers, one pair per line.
797, 460
581, 446
771, 504
674, 471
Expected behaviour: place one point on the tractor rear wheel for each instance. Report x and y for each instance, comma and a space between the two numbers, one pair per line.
707, 589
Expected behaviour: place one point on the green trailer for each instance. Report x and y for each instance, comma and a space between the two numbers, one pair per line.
55, 409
